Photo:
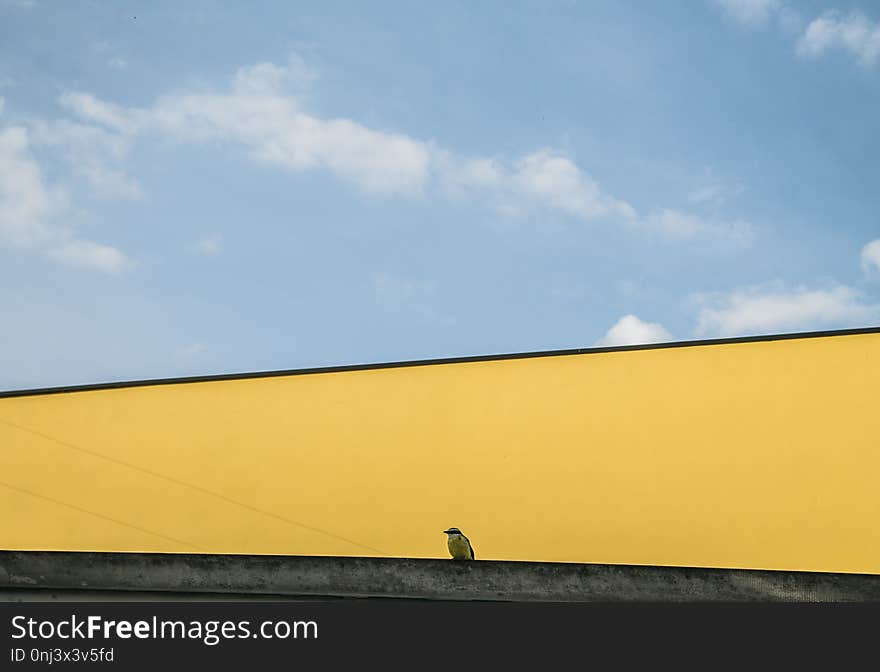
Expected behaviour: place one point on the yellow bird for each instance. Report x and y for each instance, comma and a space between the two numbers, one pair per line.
459, 546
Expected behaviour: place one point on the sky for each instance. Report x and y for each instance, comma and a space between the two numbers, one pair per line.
207, 188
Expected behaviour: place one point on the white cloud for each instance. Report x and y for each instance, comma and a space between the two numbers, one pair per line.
871, 255
88, 255
273, 128
86, 106
270, 78
2, 103
764, 309
853, 33
261, 115
687, 226
630, 330
29, 206
556, 180
544, 178
117, 63
463, 177
96, 154
26, 201
749, 12
257, 114
713, 191
210, 245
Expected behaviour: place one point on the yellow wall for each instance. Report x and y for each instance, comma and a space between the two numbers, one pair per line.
756, 454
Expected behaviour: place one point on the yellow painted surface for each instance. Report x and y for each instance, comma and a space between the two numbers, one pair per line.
758, 454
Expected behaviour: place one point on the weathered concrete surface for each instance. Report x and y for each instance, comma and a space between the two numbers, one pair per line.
173, 576
68, 595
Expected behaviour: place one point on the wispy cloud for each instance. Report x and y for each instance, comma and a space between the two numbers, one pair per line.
93, 153
557, 181
630, 330
26, 200
271, 126
680, 225
258, 112
97, 111
871, 256
29, 207
712, 191
775, 308
853, 33
89, 255
749, 12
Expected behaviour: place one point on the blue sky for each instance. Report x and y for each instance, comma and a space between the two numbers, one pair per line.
190, 188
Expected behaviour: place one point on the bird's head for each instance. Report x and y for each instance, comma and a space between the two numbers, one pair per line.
452, 530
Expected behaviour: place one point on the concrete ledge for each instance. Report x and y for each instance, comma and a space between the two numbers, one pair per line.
159, 576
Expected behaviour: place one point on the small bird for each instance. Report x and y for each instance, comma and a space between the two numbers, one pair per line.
459, 546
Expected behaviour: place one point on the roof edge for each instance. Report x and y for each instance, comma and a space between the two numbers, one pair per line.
88, 387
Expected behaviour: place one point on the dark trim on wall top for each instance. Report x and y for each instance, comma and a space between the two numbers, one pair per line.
432, 362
